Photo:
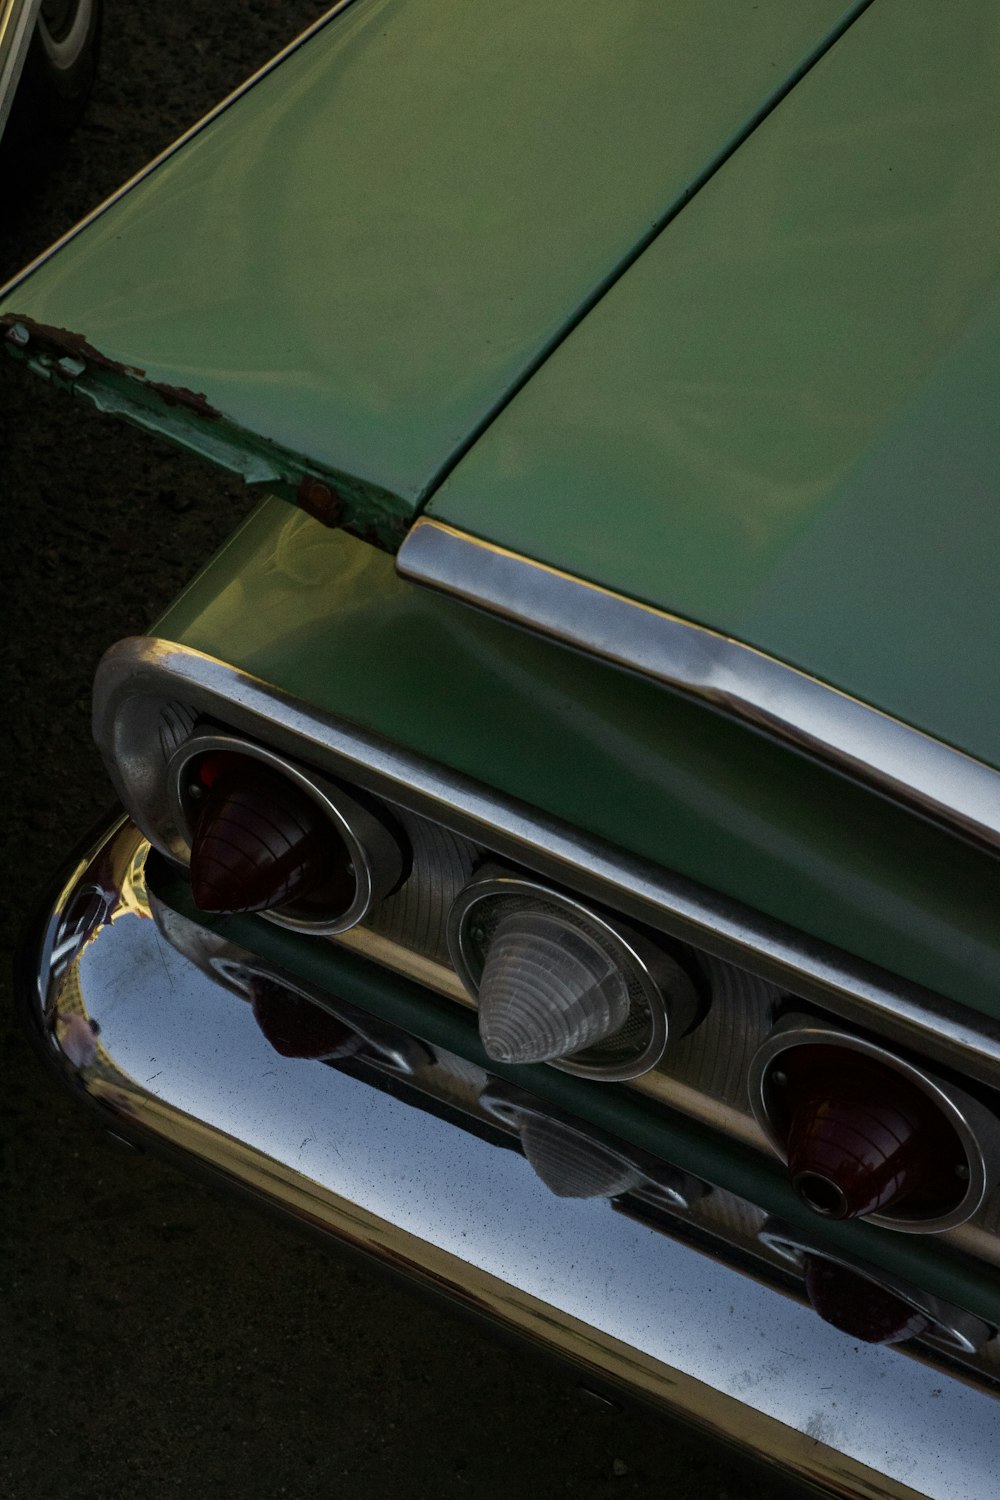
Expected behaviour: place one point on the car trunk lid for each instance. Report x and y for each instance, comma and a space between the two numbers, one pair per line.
780, 423
346, 272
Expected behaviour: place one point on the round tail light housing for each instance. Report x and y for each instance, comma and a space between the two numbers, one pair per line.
556, 982
868, 1134
264, 834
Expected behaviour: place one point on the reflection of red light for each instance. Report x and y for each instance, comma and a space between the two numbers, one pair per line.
261, 841
863, 1138
210, 766
860, 1307
296, 1027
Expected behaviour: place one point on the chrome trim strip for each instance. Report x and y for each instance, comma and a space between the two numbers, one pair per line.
939, 781
142, 674
17, 24
627, 1300
181, 140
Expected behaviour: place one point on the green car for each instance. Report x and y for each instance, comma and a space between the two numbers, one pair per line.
560, 828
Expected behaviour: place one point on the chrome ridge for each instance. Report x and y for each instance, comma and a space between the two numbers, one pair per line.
149, 692
614, 1286
936, 779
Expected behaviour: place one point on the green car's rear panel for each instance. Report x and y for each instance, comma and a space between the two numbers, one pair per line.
327, 617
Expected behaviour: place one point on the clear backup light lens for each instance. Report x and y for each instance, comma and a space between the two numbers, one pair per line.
547, 989
556, 982
571, 1166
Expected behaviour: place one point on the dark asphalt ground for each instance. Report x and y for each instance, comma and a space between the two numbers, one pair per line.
157, 1338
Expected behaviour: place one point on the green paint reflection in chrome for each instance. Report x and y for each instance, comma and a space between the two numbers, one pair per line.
783, 421
327, 618
357, 260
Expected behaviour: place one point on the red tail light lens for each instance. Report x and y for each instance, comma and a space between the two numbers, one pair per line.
260, 841
859, 1307
863, 1138
296, 1027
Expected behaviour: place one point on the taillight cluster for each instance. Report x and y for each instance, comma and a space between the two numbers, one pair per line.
864, 1133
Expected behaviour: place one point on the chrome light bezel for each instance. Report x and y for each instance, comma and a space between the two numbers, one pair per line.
978, 1131
668, 992
375, 855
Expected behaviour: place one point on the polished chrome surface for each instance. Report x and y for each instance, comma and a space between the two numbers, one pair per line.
978, 1130
143, 683
414, 918
430, 1176
17, 22
953, 1329
940, 781
663, 996
376, 861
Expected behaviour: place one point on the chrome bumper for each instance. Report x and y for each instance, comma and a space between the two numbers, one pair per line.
646, 1276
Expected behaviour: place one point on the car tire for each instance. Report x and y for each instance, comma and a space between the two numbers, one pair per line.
55, 83
62, 61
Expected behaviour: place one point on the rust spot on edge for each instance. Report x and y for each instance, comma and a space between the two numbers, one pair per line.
180, 395
319, 500
63, 341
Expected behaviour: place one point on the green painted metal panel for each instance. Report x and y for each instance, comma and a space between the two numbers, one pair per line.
328, 619
782, 422
348, 269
